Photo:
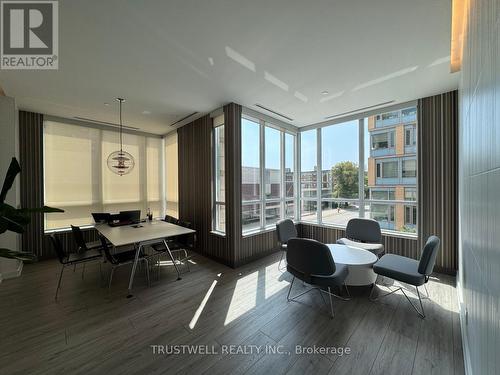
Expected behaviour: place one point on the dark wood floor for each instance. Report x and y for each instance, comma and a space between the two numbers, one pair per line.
91, 331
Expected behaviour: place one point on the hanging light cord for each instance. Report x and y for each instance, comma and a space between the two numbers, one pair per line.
121, 143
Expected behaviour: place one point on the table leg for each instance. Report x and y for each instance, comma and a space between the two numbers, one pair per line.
132, 273
173, 260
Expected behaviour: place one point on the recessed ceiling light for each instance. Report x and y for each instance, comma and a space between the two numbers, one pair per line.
324, 92
146, 112
106, 104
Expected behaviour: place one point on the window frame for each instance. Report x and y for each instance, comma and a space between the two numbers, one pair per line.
378, 126
217, 203
282, 199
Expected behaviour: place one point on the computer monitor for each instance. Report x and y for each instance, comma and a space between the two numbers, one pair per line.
133, 216
101, 217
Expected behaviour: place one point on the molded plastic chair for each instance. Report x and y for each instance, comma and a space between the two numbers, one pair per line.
312, 262
365, 234
409, 271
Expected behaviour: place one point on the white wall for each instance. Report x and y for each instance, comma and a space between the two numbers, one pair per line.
479, 269
9, 146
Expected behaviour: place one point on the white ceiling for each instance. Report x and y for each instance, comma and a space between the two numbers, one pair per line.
173, 58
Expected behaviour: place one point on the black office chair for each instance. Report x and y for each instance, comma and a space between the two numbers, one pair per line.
409, 271
365, 234
170, 219
285, 229
178, 245
312, 262
73, 259
121, 259
80, 241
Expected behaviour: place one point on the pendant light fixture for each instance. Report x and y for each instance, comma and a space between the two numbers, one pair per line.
121, 162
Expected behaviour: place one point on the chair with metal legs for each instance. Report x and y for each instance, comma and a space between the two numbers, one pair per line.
178, 245
409, 271
121, 259
68, 260
312, 262
285, 229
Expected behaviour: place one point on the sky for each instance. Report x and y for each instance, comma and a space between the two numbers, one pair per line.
338, 143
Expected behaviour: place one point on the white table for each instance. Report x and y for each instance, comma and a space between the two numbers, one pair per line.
358, 261
141, 235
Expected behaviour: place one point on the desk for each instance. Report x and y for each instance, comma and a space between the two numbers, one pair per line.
149, 233
359, 261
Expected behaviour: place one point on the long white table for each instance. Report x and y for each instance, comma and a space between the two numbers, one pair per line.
141, 235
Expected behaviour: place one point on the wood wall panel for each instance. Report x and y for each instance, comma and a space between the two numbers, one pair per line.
438, 175
31, 179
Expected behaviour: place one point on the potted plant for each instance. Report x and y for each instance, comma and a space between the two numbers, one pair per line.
16, 219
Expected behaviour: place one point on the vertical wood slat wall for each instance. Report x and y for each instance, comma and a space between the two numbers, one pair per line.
31, 178
438, 175
195, 188
32, 189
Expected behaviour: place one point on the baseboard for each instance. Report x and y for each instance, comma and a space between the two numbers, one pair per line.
465, 340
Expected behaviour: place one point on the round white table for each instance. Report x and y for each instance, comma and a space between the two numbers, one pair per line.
358, 261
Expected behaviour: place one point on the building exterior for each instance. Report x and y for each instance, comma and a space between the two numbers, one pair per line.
392, 169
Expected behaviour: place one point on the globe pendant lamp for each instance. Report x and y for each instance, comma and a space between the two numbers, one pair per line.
121, 162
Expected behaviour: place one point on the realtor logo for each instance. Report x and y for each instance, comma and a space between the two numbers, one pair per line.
30, 35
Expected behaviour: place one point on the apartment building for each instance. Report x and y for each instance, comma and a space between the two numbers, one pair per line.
392, 169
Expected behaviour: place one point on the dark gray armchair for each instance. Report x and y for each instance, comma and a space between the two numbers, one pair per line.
312, 262
409, 271
285, 230
365, 234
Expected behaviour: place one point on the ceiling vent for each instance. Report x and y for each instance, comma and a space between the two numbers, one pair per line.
105, 123
184, 118
358, 110
274, 112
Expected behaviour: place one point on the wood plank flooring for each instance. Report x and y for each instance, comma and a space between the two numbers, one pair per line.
92, 331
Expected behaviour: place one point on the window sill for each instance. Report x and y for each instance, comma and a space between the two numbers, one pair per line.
66, 229
385, 232
217, 233
257, 232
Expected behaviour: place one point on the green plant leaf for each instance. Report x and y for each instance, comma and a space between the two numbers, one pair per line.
12, 172
19, 255
44, 209
11, 225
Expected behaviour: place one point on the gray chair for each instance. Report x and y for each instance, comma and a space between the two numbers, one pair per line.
285, 230
409, 271
312, 262
365, 234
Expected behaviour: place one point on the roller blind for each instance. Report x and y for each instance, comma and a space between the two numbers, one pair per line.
171, 175
77, 179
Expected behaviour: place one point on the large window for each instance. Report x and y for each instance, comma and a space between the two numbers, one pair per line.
171, 175
267, 155
219, 188
77, 179
378, 153
309, 175
340, 173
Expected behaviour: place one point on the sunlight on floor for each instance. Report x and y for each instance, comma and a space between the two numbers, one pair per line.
244, 297
200, 308
273, 283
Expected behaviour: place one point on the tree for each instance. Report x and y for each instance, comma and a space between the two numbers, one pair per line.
345, 180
